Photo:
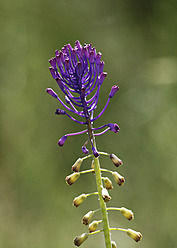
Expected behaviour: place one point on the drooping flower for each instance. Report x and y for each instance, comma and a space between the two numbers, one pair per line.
79, 74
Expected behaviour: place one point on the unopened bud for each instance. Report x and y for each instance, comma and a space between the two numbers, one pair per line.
113, 244
114, 127
51, 92
118, 178
93, 226
85, 150
72, 178
137, 236
105, 195
127, 213
79, 199
62, 140
60, 112
117, 161
107, 183
114, 89
86, 219
101, 78
76, 166
80, 239
95, 152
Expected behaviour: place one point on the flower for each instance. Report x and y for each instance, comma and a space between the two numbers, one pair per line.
137, 236
87, 217
127, 213
93, 226
107, 183
118, 178
117, 161
79, 199
62, 140
80, 239
76, 166
72, 178
79, 74
105, 195
113, 243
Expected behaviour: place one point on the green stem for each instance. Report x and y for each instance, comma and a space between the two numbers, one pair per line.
105, 220
102, 203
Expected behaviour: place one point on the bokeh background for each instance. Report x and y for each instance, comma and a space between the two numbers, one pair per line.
138, 40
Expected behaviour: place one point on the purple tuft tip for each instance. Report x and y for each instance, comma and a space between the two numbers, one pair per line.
60, 112
62, 140
102, 77
114, 89
85, 150
51, 92
95, 152
114, 127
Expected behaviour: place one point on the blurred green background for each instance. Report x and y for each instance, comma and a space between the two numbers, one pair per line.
138, 43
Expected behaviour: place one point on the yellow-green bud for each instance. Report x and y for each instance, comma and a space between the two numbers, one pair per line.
77, 165
118, 178
86, 219
117, 161
93, 226
79, 199
127, 213
72, 178
80, 239
137, 236
105, 195
113, 244
107, 183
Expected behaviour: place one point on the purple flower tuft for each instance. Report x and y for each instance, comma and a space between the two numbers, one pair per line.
114, 89
95, 152
51, 92
85, 150
60, 112
79, 74
114, 127
62, 140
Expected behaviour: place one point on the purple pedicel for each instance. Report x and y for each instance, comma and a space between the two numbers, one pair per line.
79, 74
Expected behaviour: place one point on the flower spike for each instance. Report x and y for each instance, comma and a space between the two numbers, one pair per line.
78, 72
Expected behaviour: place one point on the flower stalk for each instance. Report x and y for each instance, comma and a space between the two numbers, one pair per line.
105, 220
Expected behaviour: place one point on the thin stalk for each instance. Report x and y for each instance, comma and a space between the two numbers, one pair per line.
97, 169
102, 203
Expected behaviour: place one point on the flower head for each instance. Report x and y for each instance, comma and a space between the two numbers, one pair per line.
78, 71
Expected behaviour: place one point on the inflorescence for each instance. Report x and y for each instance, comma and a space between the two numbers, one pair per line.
79, 74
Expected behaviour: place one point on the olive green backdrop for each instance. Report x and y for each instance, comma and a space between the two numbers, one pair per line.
138, 43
